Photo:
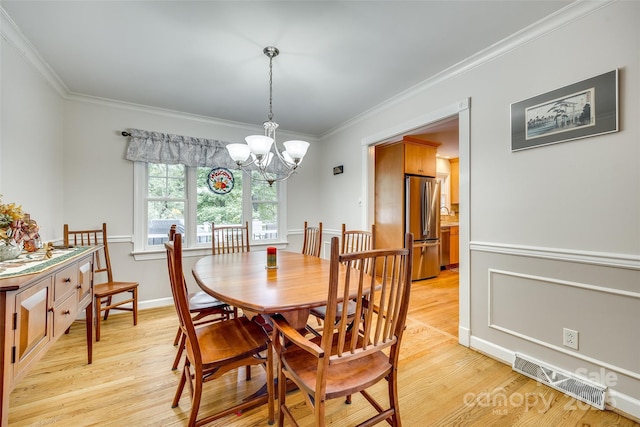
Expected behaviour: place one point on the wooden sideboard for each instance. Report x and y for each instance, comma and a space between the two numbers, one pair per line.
36, 310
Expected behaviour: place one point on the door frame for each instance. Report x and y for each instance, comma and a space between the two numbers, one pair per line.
462, 110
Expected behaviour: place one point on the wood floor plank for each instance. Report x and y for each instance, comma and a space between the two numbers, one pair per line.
130, 382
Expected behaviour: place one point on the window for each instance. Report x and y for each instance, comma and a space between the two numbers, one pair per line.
176, 194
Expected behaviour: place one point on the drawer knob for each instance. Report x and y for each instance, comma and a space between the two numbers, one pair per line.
67, 280
66, 312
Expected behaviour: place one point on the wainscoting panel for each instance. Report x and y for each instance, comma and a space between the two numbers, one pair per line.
523, 297
537, 308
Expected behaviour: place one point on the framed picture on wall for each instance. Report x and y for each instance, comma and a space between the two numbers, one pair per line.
582, 109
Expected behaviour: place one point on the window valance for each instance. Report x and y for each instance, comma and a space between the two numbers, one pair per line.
157, 147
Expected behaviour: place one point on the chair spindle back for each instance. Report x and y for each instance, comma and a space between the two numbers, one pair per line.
230, 238
312, 240
381, 303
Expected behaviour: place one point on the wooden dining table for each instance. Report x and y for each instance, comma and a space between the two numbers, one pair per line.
299, 283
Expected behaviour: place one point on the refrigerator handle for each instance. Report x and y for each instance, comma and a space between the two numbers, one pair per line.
426, 218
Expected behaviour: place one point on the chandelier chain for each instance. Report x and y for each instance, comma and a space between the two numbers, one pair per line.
270, 88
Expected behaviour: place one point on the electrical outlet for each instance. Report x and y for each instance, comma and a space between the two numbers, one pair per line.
570, 338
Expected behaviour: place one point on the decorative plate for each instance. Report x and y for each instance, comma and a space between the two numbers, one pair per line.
220, 180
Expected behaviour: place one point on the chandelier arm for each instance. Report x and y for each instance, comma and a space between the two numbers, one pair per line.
248, 163
276, 178
281, 157
269, 177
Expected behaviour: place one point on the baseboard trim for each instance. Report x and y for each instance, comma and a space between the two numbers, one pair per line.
155, 303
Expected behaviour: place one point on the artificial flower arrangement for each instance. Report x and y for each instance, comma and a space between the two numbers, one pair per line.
16, 227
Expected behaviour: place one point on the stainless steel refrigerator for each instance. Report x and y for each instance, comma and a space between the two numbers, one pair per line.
422, 218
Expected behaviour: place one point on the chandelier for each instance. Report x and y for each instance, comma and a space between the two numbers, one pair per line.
261, 150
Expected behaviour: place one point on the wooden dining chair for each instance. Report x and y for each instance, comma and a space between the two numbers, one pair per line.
350, 359
226, 239
351, 241
104, 291
312, 240
357, 240
216, 348
203, 308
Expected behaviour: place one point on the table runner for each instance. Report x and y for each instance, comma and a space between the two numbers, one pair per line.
35, 262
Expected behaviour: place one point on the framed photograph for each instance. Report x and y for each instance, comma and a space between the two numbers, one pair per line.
583, 109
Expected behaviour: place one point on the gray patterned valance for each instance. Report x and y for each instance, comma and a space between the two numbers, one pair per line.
158, 147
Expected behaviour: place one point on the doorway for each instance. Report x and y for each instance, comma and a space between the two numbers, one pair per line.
421, 124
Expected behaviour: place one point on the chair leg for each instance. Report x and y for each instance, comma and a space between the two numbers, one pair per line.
177, 338
106, 312
135, 306
393, 399
98, 304
176, 361
318, 411
196, 398
270, 390
180, 389
282, 393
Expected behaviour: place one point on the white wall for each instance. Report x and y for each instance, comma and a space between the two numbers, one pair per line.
555, 234
31, 163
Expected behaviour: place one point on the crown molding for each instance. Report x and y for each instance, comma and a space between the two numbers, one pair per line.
12, 34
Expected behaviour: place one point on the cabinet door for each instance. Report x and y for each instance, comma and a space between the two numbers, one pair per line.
455, 180
32, 324
85, 279
454, 245
389, 195
419, 159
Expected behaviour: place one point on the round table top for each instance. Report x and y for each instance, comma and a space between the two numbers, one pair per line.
242, 280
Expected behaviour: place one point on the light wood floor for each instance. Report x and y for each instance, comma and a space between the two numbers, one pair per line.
130, 382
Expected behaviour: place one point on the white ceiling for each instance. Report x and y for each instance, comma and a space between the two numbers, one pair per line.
337, 59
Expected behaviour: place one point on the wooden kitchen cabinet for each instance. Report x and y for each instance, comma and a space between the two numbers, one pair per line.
454, 244
419, 159
455, 180
413, 155
36, 310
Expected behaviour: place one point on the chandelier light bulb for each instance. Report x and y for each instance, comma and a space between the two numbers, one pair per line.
259, 144
296, 149
239, 152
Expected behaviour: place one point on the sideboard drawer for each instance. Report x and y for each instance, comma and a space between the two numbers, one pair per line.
64, 314
66, 282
